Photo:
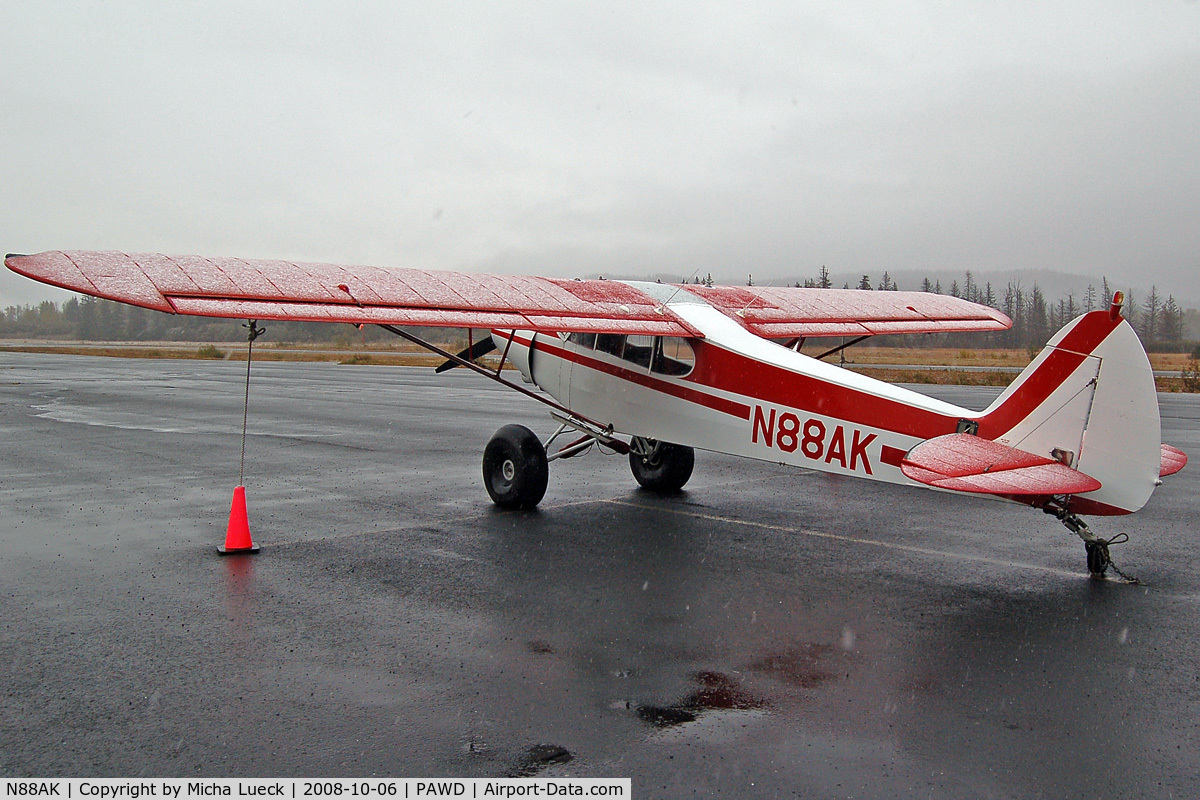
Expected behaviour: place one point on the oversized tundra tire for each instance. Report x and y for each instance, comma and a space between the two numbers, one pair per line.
515, 471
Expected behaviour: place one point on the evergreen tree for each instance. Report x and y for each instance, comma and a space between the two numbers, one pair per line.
1171, 327
865, 283
1037, 322
89, 328
137, 320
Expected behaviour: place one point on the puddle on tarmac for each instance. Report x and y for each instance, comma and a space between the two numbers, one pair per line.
804, 665
537, 758
716, 692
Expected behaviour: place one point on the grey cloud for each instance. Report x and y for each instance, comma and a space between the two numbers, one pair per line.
567, 140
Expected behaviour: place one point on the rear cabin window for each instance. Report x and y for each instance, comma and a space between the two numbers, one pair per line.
672, 356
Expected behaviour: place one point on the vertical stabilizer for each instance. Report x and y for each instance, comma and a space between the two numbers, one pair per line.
1089, 401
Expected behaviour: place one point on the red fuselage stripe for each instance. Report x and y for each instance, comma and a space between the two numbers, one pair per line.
733, 372
1083, 339
730, 407
727, 371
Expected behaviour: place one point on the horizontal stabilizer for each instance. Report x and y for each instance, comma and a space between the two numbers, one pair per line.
966, 463
1173, 460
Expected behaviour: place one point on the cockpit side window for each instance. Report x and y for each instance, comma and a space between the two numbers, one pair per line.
639, 349
613, 343
664, 355
585, 340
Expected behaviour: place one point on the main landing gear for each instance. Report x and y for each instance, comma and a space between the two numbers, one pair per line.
1099, 559
515, 469
660, 466
516, 464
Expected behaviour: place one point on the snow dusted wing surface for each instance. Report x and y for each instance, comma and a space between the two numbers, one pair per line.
967, 463
1173, 460
285, 290
778, 312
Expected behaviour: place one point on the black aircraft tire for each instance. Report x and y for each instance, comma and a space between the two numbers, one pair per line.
1097, 559
515, 471
666, 470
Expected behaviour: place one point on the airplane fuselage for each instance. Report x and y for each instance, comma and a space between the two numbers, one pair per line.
738, 394
731, 391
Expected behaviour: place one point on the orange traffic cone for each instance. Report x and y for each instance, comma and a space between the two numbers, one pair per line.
237, 536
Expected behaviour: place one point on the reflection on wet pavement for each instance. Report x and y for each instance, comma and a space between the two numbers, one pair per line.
537, 758
798, 666
717, 691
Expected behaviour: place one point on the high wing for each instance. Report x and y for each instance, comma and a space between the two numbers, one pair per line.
284, 290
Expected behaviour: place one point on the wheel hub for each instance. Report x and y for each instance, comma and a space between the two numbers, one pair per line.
508, 469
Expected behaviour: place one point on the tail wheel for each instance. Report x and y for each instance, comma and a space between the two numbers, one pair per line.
1098, 559
515, 471
661, 466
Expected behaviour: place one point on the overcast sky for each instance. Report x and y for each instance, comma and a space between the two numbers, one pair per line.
564, 139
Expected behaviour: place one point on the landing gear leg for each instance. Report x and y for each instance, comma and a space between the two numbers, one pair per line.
1098, 558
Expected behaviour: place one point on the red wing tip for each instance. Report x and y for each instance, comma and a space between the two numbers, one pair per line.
1173, 460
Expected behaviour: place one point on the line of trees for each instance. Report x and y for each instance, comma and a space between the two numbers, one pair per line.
91, 319
1159, 321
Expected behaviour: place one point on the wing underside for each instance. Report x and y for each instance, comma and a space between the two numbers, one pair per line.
285, 290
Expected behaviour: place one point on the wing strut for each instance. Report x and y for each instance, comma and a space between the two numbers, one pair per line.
472, 352
842, 346
496, 376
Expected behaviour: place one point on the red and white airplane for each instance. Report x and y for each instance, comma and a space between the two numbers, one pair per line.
657, 371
